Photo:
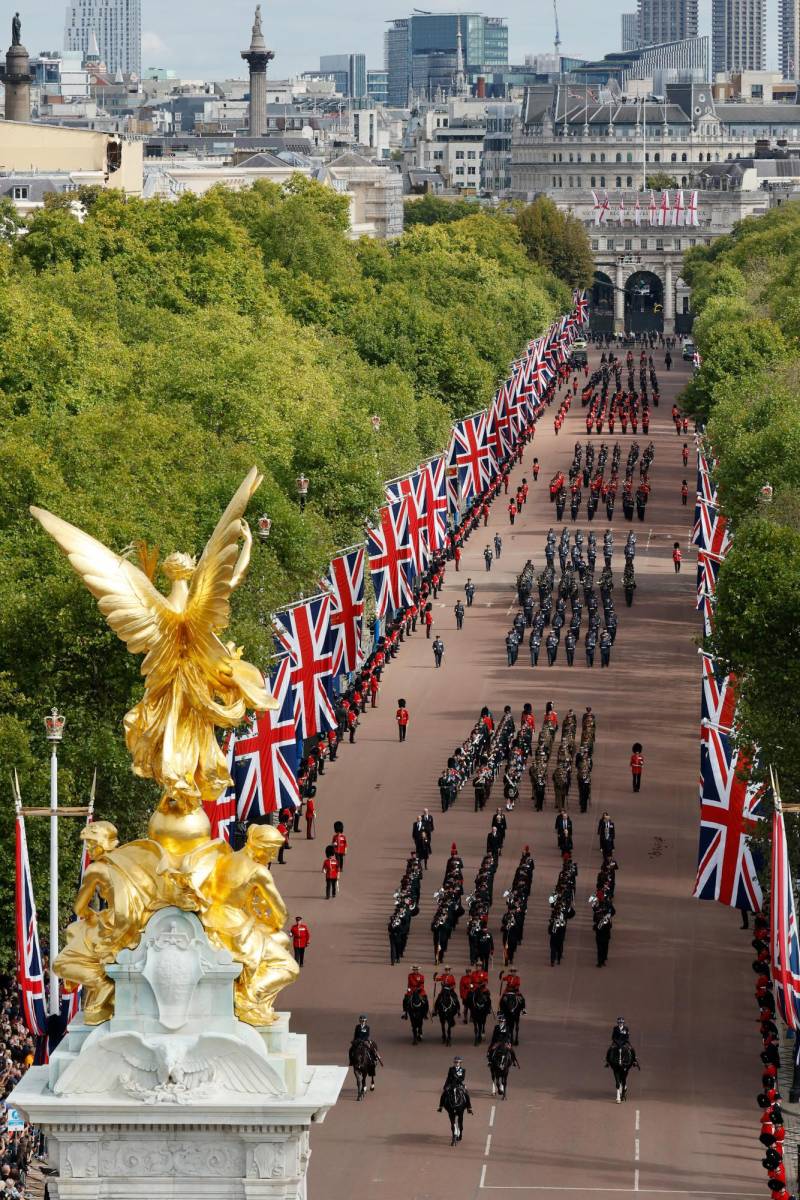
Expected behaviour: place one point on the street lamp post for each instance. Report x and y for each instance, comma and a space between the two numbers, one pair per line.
54, 725
301, 483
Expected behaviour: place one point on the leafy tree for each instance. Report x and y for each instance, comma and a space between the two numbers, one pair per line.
557, 240
660, 181
151, 353
747, 326
431, 210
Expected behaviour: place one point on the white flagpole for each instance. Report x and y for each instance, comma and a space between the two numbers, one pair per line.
55, 732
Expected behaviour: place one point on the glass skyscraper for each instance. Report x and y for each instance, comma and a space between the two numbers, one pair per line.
421, 51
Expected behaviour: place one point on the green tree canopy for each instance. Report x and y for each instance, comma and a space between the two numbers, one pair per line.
744, 292
151, 353
558, 240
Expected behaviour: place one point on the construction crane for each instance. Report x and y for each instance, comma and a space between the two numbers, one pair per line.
557, 40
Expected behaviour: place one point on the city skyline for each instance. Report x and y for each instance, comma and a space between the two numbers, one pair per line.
199, 40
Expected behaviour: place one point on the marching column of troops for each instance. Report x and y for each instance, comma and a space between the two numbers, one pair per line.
576, 588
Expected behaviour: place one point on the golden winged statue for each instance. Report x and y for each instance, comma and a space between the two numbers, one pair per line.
194, 682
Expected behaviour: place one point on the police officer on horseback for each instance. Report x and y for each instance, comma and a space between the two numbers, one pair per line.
620, 1034
456, 1077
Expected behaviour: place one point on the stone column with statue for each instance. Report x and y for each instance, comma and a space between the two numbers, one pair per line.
179, 1073
16, 76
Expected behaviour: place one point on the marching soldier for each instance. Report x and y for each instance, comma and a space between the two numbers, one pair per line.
602, 936
569, 646
589, 645
606, 833
605, 648
563, 827
469, 592
458, 609
551, 644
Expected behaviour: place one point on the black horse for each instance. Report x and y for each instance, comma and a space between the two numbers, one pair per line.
364, 1059
455, 1099
480, 1008
418, 1010
622, 1059
501, 1058
512, 1007
447, 1009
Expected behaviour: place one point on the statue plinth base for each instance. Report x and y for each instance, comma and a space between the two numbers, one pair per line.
173, 1097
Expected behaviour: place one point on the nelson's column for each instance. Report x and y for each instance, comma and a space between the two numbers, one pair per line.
257, 58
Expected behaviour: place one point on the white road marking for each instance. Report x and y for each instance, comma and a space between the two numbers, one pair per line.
491, 1116
488, 1145
637, 1120
636, 1180
649, 535
542, 1187
636, 1150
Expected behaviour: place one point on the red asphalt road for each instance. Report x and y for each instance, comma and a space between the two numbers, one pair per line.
678, 969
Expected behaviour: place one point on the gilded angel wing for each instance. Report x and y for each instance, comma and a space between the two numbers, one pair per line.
221, 566
132, 606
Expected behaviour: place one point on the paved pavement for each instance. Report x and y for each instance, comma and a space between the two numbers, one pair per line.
678, 969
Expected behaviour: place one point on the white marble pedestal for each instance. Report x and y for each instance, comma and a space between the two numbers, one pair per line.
174, 1097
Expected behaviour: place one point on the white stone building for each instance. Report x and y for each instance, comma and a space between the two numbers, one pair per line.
611, 150
375, 193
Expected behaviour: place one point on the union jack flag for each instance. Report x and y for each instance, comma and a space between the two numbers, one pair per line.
706, 508
729, 812
222, 812
346, 578
472, 455
718, 705
581, 305
411, 488
784, 945
434, 509
265, 754
30, 974
304, 631
390, 559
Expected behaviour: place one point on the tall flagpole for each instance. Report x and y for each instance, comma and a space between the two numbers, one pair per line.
54, 725
644, 144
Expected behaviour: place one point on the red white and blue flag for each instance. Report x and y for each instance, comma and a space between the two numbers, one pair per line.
706, 512
264, 757
718, 704
471, 453
498, 430
30, 973
411, 488
784, 945
222, 813
434, 509
730, 807
581, 305
304, 631
346, 581
390, 559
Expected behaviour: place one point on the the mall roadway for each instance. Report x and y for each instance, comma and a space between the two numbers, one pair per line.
679, 970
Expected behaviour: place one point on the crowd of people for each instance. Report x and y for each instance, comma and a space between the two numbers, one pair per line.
17, 1052
773, 1131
